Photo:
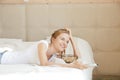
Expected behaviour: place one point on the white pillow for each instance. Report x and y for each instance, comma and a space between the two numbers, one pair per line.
14, 44
84, 48
6, 48
10, 40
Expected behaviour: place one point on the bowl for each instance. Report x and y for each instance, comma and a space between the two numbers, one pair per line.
69, 59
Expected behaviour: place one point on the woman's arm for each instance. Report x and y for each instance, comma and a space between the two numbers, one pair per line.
72, 65
76, 52
42, 49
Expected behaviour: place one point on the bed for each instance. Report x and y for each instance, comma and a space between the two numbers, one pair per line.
36, 72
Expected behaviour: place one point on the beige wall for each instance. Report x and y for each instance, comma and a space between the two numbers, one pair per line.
99, 24
13, 21
60, 1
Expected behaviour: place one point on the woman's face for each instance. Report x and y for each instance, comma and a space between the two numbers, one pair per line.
60, 42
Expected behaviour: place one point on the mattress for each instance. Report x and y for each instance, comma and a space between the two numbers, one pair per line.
35, 72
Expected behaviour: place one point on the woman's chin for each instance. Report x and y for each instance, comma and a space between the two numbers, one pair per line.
61, 50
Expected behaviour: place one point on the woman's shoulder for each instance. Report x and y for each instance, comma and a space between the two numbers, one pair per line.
45, 42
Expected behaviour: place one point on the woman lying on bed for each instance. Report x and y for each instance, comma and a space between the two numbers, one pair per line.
59, 42
43, 53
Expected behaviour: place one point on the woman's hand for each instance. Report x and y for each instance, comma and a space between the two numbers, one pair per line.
69, 30
80, 65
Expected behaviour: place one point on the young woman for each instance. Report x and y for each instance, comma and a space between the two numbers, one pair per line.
42, 52
59, 42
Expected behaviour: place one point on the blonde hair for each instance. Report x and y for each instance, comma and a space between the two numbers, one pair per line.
58, 32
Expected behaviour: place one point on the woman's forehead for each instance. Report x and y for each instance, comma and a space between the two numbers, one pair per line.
64, 35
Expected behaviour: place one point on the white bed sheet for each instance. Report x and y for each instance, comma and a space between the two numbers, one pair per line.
35, 72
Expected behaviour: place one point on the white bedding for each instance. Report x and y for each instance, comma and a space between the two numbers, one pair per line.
35, 72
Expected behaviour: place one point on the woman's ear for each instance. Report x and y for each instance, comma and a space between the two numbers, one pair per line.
52, 39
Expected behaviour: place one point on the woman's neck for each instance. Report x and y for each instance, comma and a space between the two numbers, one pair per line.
51, 49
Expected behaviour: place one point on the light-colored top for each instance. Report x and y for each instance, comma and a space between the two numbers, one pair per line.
28, 56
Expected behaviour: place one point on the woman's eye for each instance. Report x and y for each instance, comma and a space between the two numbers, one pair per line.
63, 39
